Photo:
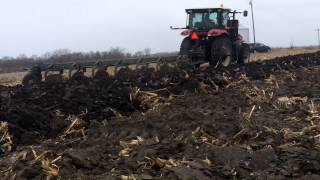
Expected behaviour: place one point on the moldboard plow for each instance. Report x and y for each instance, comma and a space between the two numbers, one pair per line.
99, 69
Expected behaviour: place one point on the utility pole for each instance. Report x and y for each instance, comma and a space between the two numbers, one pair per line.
253, 27
318, 30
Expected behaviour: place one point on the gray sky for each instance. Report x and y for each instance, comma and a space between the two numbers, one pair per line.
37, 26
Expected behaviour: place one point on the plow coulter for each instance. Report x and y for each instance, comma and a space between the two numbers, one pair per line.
97, 69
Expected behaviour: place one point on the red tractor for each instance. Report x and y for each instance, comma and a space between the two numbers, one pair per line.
212, 36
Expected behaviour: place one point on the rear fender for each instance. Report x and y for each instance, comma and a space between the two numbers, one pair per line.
186, 33
217, 32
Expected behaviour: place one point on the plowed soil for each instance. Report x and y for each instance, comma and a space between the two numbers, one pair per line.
258, 121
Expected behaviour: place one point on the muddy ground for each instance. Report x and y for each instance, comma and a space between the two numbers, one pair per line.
259, 121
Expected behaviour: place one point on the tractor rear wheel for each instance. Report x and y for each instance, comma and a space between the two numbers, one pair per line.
186, 46
244, 54
221, 52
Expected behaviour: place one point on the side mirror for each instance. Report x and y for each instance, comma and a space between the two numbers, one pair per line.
245, 13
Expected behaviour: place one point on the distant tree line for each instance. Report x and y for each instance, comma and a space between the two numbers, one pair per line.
23, 62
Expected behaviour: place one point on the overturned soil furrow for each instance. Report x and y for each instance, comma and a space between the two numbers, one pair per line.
260, 120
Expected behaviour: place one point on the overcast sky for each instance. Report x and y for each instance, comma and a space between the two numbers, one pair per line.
38, 26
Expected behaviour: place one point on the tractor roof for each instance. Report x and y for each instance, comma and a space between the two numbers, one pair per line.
206, 9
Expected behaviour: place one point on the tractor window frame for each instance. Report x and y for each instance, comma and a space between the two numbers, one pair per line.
213, 20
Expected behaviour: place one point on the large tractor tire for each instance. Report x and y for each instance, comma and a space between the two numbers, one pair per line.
221, 52
244, 56
186, 46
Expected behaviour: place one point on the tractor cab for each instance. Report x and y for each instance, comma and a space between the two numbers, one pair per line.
207, 19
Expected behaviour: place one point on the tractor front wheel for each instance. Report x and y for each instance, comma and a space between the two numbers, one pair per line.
221, 52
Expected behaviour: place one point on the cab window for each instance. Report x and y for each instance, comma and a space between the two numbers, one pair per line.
225, 18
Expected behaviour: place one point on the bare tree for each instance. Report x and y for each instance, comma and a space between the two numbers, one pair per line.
11, 64
147, 52
116, 52
139, 54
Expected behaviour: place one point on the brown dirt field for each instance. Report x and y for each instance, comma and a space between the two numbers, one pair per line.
259, 121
